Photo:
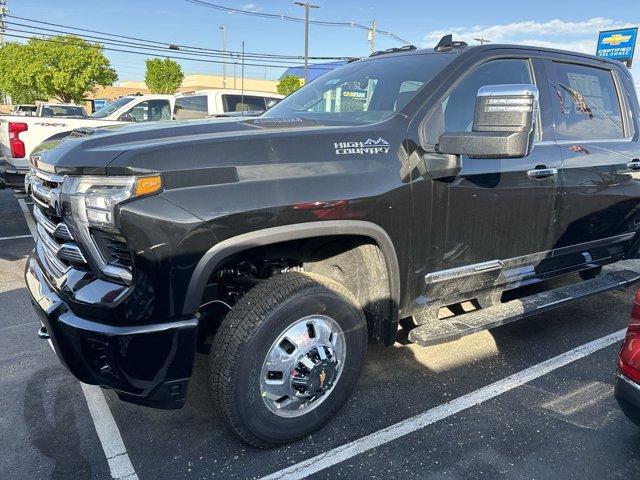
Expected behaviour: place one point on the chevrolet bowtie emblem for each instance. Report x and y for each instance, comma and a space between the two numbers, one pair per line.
323, 377
616, 39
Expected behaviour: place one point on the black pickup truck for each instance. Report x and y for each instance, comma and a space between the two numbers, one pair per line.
380, 196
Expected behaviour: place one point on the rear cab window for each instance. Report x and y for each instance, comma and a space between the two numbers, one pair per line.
244, 103
191, 107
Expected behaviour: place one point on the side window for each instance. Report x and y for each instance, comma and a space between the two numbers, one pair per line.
459, 106
191, 107
586, 103
150, 111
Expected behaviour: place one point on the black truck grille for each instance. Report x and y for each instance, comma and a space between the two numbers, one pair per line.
55, 245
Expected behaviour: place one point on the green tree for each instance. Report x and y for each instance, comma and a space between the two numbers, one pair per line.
288, 84
163, 76
64, 67
16, 77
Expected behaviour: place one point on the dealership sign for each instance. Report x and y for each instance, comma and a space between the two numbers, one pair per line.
617, 44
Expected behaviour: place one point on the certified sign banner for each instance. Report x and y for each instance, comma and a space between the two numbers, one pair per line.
617, 44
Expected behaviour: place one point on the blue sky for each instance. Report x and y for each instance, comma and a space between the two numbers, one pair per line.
563, 24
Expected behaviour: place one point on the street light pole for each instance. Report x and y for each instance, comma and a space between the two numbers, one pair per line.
306, 6
223, 30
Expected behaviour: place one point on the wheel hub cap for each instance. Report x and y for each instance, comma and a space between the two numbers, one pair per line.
317, 380
302, 366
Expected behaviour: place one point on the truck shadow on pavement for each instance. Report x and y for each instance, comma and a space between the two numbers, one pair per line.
51, 420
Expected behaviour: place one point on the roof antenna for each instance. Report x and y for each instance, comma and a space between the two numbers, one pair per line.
446, 43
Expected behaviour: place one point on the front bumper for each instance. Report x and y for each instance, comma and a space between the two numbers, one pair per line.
12, 177
148, 364
627, 394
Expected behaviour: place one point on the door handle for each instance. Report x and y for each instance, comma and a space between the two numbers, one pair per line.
634, 165
542, 172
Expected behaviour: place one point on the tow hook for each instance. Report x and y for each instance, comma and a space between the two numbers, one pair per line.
43, 333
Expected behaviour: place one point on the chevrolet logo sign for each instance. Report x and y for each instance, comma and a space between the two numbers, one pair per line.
616, 39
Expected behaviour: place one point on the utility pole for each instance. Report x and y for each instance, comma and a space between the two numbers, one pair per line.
242, 80
235, 63
3, 15
371, 37
223, 30
482, 40
306, 6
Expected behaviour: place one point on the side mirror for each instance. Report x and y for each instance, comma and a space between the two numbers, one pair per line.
503, 124
126, 117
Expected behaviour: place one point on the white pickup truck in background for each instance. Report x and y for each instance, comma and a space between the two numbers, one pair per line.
20, 135
222, 102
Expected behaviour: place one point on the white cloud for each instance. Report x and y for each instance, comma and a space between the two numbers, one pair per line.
556, 32
574, 36
251, 7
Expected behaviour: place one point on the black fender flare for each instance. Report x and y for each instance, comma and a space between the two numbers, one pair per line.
217, 254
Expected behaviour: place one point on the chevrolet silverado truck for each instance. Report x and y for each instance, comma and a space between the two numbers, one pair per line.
459, 188
20, 135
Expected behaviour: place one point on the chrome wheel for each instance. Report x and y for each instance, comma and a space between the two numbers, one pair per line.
302, 366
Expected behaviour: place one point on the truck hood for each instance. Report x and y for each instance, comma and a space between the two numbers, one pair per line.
183, 145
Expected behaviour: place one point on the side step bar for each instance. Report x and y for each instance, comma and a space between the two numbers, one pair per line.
616, 275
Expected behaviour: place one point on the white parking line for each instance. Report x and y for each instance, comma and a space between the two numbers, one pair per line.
108, 433
120, 465
393, 432
16, 237
28, 218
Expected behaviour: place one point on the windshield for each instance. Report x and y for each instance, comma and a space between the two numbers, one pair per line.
112, 107
362, 92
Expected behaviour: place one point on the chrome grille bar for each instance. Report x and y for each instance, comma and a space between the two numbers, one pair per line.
71, 252
66, 251
49, 251
59, 230
55, 247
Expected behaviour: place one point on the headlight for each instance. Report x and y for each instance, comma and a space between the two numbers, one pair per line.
93, 199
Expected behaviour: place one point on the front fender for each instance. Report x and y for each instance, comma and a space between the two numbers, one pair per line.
217, 254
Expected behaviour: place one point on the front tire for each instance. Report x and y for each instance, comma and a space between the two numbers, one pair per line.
286, 357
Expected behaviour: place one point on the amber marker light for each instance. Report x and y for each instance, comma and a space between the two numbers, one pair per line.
147, 185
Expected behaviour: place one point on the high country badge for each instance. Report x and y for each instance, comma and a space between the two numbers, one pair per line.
368, 147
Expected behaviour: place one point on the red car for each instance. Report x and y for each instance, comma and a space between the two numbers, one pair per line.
627, 380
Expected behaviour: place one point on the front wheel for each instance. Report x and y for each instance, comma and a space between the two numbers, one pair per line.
286, 357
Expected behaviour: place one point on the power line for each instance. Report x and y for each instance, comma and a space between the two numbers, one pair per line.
146, 48
182, 47
44, 39
281, 16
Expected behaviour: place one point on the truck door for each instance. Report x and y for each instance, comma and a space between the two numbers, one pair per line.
598, 148
494, 209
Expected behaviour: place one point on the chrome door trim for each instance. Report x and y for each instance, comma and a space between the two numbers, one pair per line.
524, 260
461, 272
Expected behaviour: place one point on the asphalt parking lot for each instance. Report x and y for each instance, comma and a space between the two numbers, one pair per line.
520, 401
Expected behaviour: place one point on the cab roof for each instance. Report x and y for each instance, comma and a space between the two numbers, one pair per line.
487, 48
